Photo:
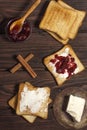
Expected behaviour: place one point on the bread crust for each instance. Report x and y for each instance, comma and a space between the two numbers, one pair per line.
58, 38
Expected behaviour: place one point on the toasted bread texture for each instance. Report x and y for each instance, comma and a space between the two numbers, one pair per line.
62, 21
33, 100
65, 51
77, 23
58, 19
13, 103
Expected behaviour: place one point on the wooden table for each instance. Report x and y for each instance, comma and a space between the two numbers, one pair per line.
40, 44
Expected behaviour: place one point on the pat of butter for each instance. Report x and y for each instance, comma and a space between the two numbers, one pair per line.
76, 107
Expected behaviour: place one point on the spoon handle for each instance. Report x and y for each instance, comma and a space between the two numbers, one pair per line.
31, 9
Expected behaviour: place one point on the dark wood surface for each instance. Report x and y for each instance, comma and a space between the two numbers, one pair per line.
40, 44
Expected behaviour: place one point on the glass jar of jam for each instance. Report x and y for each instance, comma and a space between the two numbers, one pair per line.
20, 36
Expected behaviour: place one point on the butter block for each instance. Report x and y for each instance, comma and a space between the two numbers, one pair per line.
76, 107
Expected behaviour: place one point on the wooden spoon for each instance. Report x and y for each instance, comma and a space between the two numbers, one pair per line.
19, 23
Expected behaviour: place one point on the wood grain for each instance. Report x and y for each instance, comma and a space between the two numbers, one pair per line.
41, 44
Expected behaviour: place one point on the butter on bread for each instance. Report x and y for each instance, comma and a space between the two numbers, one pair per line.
62, 21
58, 19
65, 51
13, 103
33, 100
79, 19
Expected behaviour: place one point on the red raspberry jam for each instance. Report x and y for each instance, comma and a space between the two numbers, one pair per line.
64, 64
22, 35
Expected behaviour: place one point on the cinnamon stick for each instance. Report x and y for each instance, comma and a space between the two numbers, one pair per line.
18, 66
26, 66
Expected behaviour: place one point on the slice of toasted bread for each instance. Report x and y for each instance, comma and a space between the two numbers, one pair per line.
62, 77
13, 103
58, 19
77, 23
33, 100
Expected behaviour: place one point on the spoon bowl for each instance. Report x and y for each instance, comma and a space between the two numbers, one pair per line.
19, 22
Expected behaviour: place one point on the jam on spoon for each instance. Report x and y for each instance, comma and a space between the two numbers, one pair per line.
19, 29
19, 22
